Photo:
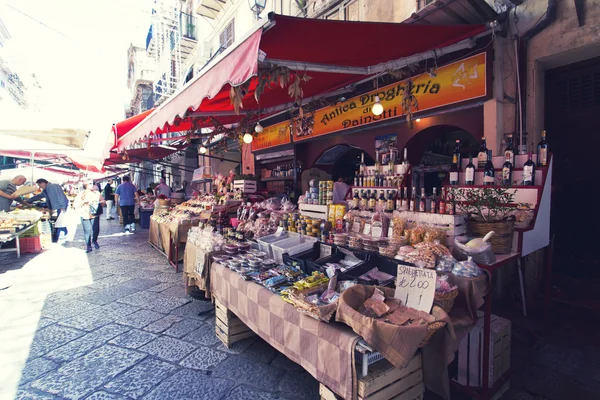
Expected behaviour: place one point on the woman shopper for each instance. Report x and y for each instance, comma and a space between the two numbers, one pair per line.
87, 203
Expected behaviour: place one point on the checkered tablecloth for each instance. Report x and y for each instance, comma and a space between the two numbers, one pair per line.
325, 350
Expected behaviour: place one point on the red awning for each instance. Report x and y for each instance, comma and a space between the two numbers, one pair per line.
336, 54
141, 155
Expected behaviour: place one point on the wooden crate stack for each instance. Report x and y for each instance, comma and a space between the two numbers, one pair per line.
228, 327
385, 382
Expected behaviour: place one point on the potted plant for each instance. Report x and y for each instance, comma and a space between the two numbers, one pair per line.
489, 209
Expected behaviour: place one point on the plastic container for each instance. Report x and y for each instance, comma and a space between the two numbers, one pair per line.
145, 218
293, 245
318, 265
265, 242
30, 245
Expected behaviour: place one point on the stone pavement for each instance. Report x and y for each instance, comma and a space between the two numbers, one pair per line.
116, 324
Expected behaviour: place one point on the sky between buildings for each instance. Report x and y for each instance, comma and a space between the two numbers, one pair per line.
78, 51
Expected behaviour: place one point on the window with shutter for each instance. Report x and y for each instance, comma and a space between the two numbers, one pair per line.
227, 35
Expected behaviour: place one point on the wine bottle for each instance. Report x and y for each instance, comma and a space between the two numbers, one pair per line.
356, 180
470, 172
422, 202
363, 167
543, 151
433, 206
389, 207
413, 199
529, 170
454, 170
489, 174
404, 205
442, 208
355, 201
507, 171
510, 151
457, 154
482, 155
450, 204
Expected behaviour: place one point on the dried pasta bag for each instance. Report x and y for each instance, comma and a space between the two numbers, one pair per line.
436, 248
416, 235
422, 258
398, 225
435, 234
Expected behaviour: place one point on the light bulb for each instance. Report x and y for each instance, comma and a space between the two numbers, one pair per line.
248, 138
377, 107
202, 150
258, 128
418, 119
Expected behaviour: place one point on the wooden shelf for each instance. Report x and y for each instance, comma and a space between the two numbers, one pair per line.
277, 179
375, 187
275, 160
492, 186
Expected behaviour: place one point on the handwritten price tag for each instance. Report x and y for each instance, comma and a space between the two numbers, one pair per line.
415, 287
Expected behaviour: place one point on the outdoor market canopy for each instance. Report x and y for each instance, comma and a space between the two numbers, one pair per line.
334, 54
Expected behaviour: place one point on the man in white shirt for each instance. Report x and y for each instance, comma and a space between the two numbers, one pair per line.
162, 188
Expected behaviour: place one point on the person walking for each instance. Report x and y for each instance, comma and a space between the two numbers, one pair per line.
55, 199
109, 197
88, 203
126, 196
7, 188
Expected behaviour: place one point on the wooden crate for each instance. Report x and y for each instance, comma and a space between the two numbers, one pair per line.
316, 211
228, 327
385, 382
454, 225
245, 186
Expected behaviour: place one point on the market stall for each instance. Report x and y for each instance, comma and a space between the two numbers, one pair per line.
21, 226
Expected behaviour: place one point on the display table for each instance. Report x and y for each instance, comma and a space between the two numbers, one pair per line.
170, 239
324, 350
15, 236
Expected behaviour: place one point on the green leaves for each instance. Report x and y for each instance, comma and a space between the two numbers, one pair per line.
489, 204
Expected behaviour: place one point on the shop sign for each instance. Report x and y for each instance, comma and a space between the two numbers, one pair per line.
271, 136
453, 83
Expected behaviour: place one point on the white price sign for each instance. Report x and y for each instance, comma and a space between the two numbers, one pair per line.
415, 287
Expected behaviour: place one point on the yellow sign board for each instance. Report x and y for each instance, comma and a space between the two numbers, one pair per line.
453, 83
271, 136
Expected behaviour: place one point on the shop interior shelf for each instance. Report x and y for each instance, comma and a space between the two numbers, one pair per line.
277, 178
275, 160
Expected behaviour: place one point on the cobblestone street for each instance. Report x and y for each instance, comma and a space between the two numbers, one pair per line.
116, 324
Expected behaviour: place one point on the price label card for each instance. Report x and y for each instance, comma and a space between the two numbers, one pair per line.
415, 287
367, 229
279, 231
324, 250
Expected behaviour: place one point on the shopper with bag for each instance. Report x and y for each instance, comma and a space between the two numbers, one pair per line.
55, 199
89, 203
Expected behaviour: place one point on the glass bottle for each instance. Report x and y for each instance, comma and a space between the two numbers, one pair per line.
489, 174
510, 151
470, 172
543, 151
355, 200
404, 205
413, 199
454, 170
434, 199
482, 155
529, 170
457, 154
442, 207
507, 171
422, 201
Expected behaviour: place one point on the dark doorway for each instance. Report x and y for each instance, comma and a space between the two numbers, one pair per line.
430, 153
572, 107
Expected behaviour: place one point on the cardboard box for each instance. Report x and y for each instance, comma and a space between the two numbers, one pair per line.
470, 353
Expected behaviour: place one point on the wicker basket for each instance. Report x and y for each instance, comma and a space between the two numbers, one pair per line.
501, 241
163, 202
445, 300
433, 328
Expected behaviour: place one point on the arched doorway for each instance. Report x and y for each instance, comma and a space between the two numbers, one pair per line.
430, 154
342, 160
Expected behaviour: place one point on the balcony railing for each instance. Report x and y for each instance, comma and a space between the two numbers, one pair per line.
187, 23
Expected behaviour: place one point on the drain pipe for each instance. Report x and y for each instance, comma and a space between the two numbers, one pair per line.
550, 17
